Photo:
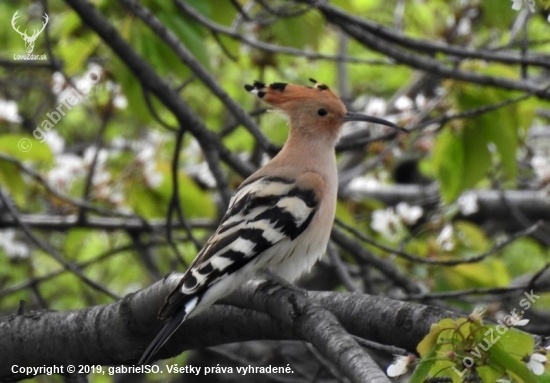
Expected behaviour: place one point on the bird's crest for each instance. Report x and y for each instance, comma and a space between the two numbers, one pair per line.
280, 94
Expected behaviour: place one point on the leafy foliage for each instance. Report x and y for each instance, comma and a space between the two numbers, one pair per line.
99, 183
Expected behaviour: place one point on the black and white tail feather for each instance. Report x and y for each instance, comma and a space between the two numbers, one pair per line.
167, 330
265, 215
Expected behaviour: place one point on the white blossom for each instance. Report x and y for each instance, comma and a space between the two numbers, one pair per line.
364, 184
404, 103
376, 107
101, 177
527, 4
409, 214
536, 363
120, 101
153, 177
118, 144
58, 82
197, 168
516, 321
55, 142
445, 239
541, 167
85, 83
158, 138
201, 172
90, 153
421, 101
9, 111
146, 154
467, 203
68, 167
117, 197
464, 27
386, 222
11, 247
400, 365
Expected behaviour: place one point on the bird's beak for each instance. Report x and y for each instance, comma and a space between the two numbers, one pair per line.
352, 116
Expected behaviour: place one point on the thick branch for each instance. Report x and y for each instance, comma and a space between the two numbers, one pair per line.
119, 332
533, 205
313, 323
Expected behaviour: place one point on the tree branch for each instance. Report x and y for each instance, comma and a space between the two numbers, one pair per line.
118, 333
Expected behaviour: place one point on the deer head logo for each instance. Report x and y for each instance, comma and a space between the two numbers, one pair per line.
29, 40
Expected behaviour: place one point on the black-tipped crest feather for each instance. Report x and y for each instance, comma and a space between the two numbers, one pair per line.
278, 86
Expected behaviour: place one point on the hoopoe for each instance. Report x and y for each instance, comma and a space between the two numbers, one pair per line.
280, 218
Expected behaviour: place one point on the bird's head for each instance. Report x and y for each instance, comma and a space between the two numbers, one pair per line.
312, 110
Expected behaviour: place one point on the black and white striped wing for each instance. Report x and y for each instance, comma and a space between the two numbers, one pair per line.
262, 213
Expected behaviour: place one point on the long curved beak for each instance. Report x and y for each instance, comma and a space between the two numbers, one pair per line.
352, 116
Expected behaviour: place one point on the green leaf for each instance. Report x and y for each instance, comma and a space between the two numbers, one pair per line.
222, 12
514, 256
299, 32
25, 148
448, 160
240, 140
491, 272
11, 177
489, 373
510, 362
191, 36
545, 378
134, 93
145, 202
471, 236
75, 52
477, 158
503, 133
498, 13
423, 368
514, 342
499, 127
83, 244
195, 202
430, 340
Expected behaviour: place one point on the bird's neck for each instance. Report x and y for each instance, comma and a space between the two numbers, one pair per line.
312, 152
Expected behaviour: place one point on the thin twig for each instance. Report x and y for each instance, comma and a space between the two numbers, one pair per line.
448, 262
8, 204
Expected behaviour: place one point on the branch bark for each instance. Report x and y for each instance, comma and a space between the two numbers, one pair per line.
118, 333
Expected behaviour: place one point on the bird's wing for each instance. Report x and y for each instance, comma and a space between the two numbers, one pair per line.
262, 213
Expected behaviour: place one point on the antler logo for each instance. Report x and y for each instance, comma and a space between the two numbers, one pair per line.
29, 40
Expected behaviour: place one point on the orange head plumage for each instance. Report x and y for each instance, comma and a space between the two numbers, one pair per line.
311, 109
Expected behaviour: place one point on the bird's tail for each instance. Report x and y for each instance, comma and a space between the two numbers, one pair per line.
170, 327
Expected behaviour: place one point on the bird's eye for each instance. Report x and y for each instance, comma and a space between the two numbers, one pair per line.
322, 112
